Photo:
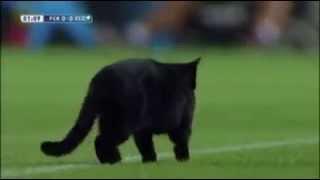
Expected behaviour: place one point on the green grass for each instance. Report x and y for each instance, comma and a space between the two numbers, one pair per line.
244, 96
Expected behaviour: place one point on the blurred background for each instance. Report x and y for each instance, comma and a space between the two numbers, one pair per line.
159, 24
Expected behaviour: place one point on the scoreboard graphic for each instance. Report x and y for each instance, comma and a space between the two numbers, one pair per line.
39, 18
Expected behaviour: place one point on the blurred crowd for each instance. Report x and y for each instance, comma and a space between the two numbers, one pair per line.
166, 24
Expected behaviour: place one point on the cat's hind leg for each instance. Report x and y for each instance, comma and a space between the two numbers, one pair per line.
106, 152
144, 143
106, 144
180, 138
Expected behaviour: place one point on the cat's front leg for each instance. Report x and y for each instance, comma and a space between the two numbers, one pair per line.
145, 146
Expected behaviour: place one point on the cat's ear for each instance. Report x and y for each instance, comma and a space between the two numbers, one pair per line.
196, 61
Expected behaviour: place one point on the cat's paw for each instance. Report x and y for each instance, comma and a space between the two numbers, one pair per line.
108, 156
52, 148
182, 154
149, 159
182, 158
103, 159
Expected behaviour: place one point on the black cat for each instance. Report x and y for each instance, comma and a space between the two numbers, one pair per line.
139, 97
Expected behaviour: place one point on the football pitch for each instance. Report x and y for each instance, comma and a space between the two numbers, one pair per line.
257, 114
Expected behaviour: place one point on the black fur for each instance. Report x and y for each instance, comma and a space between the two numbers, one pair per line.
139, 97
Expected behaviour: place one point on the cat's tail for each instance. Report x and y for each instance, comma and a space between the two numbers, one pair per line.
77, 134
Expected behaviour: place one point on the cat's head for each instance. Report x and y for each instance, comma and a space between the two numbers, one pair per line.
186, 74
191, 72
181, 75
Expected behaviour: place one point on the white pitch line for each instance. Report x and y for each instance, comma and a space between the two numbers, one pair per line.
18, 172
